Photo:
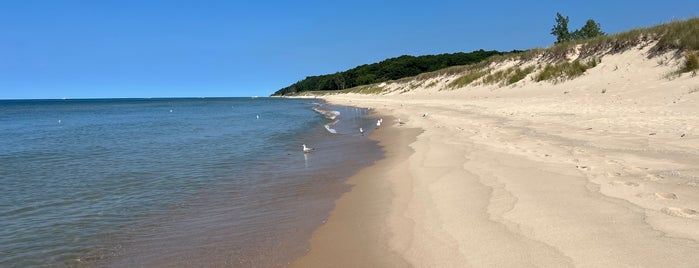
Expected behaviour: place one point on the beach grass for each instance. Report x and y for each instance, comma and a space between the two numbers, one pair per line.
691, 63
519, 74
565, 70
466, 79
560, 62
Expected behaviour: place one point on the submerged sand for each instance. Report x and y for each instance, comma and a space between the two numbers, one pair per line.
600, 171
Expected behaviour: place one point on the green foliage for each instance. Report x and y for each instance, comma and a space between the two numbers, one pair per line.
560, 29
466, 79
519, 74
559, 51
565, 70
691, 64
455, 70
591, 29
497, 77
432, 84
508, 76
680, 35
677, 35
387, 70
364, 89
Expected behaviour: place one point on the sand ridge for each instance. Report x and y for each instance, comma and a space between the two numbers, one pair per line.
600, 171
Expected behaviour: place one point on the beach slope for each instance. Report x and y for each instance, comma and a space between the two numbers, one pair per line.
597, 171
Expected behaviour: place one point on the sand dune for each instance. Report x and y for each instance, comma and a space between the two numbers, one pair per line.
598, 171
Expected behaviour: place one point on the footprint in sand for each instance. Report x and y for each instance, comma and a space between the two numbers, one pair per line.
666, 195
583, 167
653, 177
612, 162
627, 183
614, 174
679, 212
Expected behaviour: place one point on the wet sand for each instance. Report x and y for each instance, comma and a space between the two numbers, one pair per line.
356, 233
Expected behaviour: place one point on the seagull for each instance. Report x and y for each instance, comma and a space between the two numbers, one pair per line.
378, 122
425, 114
361, 130
257, 116
307, 149
400, 122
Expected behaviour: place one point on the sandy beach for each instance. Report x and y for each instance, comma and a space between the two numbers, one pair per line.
598, 171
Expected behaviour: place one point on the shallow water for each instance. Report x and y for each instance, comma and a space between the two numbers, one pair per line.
171, 182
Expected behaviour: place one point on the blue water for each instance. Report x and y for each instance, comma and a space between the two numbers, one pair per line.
171, 182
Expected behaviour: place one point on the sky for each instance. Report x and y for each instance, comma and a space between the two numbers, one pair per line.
56, 49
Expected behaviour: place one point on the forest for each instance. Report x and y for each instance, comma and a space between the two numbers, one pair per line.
386, 70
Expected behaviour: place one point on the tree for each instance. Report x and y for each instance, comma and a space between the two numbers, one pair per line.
560, 29
389, 69
339, 80
591, 29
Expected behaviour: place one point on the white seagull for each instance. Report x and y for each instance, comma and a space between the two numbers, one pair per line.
361, 130
307, 149
378, 122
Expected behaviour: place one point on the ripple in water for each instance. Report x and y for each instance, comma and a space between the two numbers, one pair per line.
170, 182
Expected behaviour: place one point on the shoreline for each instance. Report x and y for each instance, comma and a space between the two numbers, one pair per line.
265, 223
537, 175
358, 219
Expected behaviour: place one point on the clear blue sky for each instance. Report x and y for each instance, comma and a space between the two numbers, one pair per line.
115, 49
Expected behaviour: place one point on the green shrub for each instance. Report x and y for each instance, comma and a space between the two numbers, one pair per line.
565, 70
548, 73
691, 63
519, 74
497, 77
432, 84
678, 35
466, 79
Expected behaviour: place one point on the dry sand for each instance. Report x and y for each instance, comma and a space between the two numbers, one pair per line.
599, 171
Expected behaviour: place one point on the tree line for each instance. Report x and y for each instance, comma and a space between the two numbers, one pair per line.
389, 69
406, 66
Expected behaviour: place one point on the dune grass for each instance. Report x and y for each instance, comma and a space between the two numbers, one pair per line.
565, 70
677, 35
467, 79
519, 74
373, 89
682, 36
691, 63
508, 76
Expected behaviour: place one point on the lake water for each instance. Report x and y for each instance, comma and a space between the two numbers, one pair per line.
171, 182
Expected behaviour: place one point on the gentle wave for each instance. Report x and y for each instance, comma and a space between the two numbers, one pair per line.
128, 183
330, 114
329, 129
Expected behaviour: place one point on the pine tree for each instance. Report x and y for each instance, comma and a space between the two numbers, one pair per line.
560, 30
590, 30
